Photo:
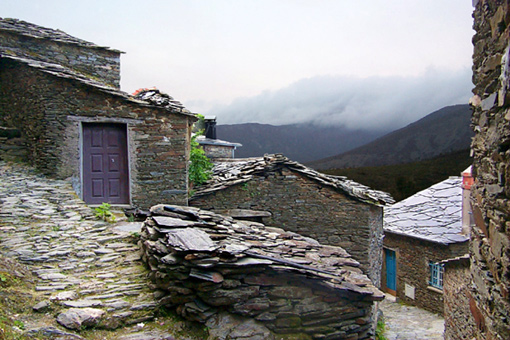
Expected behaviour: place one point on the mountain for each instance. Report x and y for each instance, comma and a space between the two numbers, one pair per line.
404, 180
441, 132
299, 142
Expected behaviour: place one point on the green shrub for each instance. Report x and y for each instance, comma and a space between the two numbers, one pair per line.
200, 166
104, 213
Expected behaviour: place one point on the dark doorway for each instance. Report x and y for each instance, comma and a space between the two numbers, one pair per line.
105, 164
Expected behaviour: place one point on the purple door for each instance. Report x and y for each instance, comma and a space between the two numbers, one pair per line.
105, 164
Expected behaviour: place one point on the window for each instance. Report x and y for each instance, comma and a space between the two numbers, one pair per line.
436, 275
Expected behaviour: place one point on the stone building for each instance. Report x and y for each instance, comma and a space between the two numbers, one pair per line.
490, 241
217, 148
245, 280
62, 96
213, 147
458, 320
419, 232
285, 194
459, 323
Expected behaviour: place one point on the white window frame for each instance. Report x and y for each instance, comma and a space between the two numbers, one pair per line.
436, 275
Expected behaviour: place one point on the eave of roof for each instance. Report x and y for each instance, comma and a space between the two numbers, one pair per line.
208, 141
463, 259
230, 172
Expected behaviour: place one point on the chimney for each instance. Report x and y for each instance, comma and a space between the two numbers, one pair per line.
210, 127
467, 182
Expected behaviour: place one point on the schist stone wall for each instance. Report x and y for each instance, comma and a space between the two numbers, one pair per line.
301, 205
458, 321
490, 246
278, 284
18, 38
12, 146
49, 112
218, 151
413, 257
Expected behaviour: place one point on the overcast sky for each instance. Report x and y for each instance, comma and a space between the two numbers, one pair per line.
368, 63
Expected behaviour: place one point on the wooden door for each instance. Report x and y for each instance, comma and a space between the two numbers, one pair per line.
105, 164
391, 271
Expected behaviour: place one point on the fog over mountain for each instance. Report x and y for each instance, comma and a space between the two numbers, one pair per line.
444, 131
374, 103
299, 142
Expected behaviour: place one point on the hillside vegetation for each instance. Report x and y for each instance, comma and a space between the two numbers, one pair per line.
404, 180
299, 142
441, 132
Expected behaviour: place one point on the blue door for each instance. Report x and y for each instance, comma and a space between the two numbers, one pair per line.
391, 270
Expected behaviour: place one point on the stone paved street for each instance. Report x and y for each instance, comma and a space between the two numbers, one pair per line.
83, 265
410, 323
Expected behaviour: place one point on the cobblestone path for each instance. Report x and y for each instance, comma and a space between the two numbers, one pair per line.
83, 265
410, 323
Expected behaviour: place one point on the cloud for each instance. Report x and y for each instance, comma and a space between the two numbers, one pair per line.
376, 103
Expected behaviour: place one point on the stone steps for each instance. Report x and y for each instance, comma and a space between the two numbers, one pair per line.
87, 272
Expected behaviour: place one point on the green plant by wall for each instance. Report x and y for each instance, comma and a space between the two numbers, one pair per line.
379, 331
104, 213
200, 166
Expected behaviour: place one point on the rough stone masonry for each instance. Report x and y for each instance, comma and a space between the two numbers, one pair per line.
490, 244
279, 283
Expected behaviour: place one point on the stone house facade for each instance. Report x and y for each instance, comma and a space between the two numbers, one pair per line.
285, 194
236, 276
490, 241
62, 95
419, 233
459, 323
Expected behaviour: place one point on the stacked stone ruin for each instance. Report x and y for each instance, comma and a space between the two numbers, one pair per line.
207, 265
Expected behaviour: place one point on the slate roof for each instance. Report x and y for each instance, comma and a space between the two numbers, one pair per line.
211, 240
209, 141
433, 214
39, 32
463, 259
37, 62
228, 172
158, 98
67, 73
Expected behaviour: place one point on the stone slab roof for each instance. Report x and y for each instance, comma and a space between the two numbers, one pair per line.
434, 214
228, 172
463, 259
60, 71
209, 241
38, 32
158, 98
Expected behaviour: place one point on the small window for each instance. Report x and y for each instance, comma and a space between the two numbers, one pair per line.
436, 275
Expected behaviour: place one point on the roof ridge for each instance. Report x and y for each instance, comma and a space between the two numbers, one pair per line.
35, 31
243, 170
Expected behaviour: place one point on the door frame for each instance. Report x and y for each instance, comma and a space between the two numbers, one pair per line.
128, 157
386, 288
